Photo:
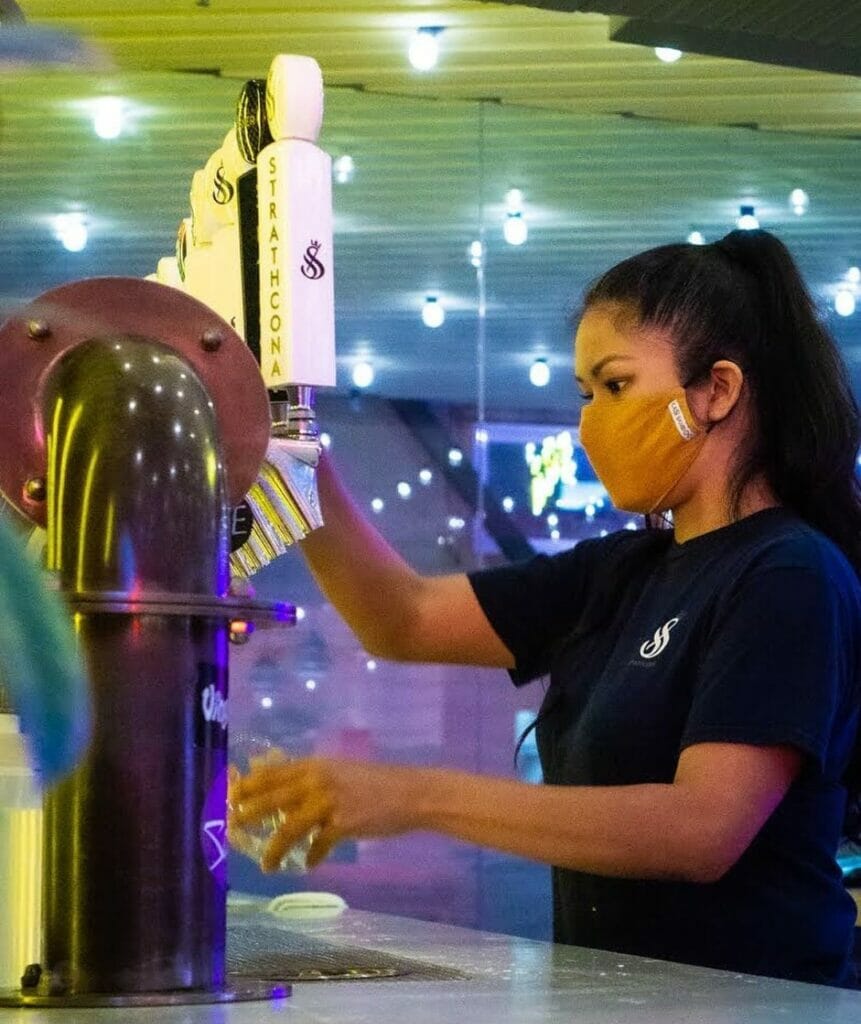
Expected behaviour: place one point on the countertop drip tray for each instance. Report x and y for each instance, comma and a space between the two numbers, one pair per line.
260, 952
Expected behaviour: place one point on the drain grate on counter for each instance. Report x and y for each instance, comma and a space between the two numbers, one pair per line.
260, 952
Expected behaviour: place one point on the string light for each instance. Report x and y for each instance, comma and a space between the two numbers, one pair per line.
554, 535
311, 684
508, 503
553, 519
326, 440
404, 490
697, 238
371, 665
266, 703
476, 254
425, 476
539, 373
455, 456
300, 613
456, 523
377, 504
667, 54
433, 313
425, 48
363, 375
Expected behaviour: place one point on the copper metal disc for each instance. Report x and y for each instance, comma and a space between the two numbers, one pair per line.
41, 332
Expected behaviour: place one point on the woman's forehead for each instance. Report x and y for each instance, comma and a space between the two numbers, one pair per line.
608, 329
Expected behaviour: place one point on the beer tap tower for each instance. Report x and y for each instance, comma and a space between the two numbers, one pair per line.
136, 419
257, 249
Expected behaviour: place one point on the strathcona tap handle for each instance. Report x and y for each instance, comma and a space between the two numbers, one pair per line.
294, 199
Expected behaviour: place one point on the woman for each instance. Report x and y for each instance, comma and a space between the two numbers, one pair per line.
703, 703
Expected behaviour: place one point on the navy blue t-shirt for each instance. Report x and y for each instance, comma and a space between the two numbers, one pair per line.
749, 634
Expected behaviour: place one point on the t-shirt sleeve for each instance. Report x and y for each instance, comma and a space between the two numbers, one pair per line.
774, 668
532, 605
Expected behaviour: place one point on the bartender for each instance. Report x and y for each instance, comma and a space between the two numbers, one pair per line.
698, 733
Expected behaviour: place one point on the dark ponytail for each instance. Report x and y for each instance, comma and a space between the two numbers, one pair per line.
743, 299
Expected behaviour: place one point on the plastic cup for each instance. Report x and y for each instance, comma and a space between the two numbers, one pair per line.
247, 752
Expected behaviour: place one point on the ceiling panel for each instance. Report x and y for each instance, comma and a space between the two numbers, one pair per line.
598, 186
519, 55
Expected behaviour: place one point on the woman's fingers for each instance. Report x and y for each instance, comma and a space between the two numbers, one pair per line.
293, 829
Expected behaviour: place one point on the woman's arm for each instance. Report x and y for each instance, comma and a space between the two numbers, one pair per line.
393, 610
693, 829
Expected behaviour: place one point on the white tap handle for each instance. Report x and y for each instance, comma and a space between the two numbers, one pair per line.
294, 98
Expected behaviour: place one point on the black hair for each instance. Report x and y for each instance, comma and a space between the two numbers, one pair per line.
743, 299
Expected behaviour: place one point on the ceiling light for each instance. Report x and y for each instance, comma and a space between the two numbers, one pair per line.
344, 167
424, 49
363, 375
697, 238
844, 302
371, 665
425, 476
310, 684
108, 117
508, 504
515, 229
539, 373
377, 504
433, 313
667, 54
853, 274
747, 219
799, 200
70, 229
266, 702
404, 490
455, 456
514, 201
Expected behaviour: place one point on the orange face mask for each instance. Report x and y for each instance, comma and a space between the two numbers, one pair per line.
641, 447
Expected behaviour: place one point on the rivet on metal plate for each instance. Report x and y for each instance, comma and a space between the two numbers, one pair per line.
211, 340
39, 330
35, 488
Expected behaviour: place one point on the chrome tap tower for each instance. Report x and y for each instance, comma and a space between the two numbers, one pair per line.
136, 418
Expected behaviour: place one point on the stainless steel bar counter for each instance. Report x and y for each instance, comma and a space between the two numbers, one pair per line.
438, 974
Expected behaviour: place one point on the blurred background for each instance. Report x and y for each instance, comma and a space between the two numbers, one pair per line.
490, 160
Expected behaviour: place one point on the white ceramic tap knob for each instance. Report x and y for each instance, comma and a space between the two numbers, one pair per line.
294, 98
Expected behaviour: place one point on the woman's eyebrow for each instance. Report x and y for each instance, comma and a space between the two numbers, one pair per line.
596, 369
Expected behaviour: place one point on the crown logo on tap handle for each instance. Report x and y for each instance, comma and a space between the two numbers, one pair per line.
257, 249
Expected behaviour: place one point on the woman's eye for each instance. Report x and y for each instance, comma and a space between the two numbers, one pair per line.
615, 387
586, 398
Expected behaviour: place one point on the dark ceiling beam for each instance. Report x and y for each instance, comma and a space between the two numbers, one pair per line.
832, 57
426, 427
817, 35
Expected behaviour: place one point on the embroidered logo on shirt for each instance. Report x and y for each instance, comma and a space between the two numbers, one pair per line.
652, 648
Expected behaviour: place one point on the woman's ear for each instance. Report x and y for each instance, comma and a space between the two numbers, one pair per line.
717, 396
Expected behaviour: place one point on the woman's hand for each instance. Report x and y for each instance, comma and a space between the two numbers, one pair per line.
333, 799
